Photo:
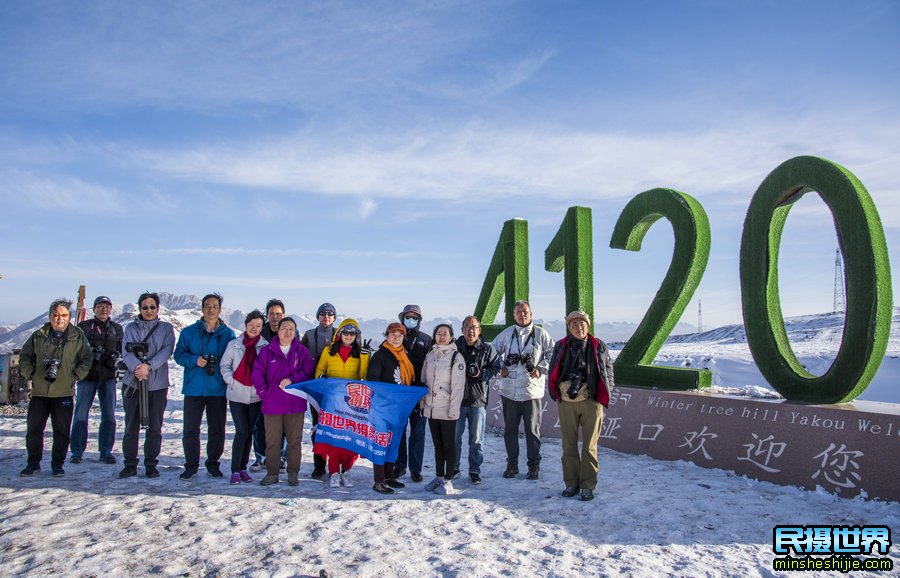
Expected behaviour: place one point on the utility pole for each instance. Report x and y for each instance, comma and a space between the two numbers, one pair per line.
699, 316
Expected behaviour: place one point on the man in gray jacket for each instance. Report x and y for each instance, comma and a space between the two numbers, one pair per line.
525, 351
153, 367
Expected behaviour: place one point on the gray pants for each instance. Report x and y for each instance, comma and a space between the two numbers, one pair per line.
515, 412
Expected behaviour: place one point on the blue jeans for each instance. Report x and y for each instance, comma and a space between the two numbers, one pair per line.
84, 399
416, 453
475, 417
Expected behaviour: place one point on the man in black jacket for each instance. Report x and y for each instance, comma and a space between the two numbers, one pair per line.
482, 364
105, 338
417, 345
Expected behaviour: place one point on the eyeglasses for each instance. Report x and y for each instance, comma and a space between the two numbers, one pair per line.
148, 307
60, 315
327, 314
413, 317
349, 331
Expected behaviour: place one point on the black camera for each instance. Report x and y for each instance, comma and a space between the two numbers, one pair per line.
575, 385
51, 369
472, 369
516, 359
139, 349
98, 353
210, 364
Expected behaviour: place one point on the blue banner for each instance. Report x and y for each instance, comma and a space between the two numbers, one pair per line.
365, 417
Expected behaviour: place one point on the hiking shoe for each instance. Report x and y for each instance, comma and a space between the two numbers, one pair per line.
392, 482
399, 472
587, 495
430, 486
268, 480
188, 473
76, 460
346, 481
293, 479
318, 474
214, 471
235, 478
30, 470
335, 480
127, 472
151, 472
383, 489
58, 471
416, 477
258, 465
511, 471
476, 478
444, 489
569, 491
533, 472
107, 459
245, 477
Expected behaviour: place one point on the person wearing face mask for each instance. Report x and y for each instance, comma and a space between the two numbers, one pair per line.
157, 339
237, 369
444, 372
525, 351
199, 350
482, 364
580, 381
417, 346
346, 358
54, 357
390, 364
317, 340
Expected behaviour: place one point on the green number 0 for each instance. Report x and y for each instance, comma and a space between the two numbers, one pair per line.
691, 253
868, 280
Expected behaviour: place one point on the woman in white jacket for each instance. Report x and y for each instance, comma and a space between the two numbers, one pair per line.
444, 372
236, 367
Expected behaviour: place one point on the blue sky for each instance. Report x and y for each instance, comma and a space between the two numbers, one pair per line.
368, 153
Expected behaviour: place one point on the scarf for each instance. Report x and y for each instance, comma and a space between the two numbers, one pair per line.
245, 367
407, 375
344, 351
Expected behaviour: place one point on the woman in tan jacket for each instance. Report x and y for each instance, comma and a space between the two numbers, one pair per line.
444, 372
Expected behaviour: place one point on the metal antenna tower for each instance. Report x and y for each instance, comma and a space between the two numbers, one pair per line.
699, 316
838, 281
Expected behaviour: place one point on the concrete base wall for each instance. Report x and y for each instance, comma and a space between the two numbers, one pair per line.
847, 449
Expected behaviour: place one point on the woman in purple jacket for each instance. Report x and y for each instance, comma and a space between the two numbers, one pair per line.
282, 362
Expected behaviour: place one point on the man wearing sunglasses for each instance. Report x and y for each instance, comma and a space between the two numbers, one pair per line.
160, 339
317, 340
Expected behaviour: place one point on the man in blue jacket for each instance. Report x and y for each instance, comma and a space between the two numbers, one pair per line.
200, 348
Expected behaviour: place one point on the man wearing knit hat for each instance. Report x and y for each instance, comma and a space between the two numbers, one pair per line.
581, 378
317, 340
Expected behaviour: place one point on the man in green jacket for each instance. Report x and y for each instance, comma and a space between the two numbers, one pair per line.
54, 358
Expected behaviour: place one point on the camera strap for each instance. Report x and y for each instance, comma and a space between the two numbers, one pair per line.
146, 338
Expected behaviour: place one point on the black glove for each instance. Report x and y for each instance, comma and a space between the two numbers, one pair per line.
366, 347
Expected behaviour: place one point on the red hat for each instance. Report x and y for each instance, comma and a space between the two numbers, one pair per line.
395, 327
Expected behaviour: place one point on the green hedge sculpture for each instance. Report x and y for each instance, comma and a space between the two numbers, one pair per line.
507, 277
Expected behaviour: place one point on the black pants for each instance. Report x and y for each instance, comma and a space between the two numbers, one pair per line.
216, 408
514, 413
153, 438
244, 417
443, 434
59, 410
318, 460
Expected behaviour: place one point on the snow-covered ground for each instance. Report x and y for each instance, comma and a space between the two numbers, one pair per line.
650, 518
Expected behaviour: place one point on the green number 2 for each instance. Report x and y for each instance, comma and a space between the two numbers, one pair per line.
691, 253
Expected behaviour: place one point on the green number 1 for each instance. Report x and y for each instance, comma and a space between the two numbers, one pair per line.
572, 249
691, 227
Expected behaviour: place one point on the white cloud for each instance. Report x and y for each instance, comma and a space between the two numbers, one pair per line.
59, 192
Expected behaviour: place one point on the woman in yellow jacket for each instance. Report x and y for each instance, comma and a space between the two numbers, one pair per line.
346, 358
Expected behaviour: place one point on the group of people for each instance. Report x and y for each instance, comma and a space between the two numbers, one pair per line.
248, 374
